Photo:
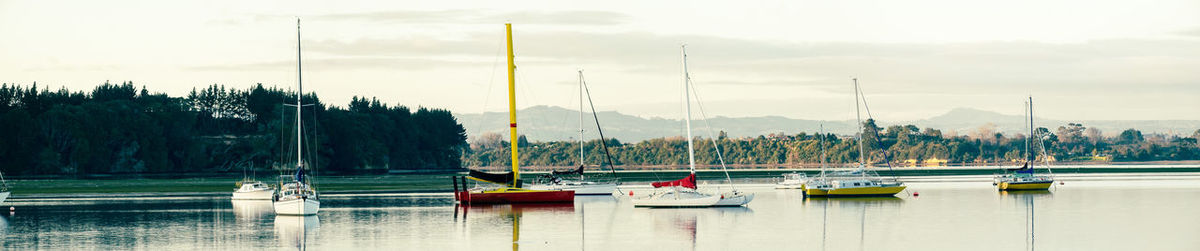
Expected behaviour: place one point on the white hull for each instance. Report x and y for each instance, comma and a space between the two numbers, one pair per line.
254, 195
252, 209
676, 199
4, 196
732, 200
789, 186
297, 207
296, 231
583, 189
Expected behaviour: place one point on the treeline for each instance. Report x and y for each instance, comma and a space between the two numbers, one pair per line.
1072, 142
117, 128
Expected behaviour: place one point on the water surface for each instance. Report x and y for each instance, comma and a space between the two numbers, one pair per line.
1145, 212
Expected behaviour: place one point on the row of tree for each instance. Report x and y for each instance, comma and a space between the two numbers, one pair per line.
117, 128
895, 144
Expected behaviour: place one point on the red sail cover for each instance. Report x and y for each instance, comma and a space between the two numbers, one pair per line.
688, 182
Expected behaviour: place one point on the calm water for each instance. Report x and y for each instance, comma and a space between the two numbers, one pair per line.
1145, 213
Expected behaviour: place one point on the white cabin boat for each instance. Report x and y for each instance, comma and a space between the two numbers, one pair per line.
254, 190
792, 181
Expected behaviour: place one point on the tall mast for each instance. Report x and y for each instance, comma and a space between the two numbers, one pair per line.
1027, 138
823, 157
299, 92
687, 104
580, 117
862, 155
1027, 141
512, 105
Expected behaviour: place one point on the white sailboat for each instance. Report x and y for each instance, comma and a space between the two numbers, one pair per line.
297, 197
683, 192
557, 180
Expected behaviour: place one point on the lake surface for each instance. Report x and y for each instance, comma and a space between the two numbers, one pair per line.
1145, 212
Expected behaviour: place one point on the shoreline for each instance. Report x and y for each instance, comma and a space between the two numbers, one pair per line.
439, 182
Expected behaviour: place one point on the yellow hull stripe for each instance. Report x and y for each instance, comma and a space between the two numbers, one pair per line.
1024, 186
857, 191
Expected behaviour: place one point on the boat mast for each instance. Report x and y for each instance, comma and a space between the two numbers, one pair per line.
823, 156
1028, 145
581, 118
687, 104
299, 92
512, 105
862, 155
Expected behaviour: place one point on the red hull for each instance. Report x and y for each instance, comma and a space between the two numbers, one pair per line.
516, 197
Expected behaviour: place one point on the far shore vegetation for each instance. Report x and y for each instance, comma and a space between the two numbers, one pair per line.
126, 131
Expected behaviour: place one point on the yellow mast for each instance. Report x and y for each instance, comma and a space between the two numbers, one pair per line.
512, 106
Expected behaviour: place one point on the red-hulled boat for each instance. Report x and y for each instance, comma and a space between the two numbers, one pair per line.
514, 195
512, 191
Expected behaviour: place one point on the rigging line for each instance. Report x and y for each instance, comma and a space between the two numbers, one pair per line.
316, 142
282, 131
566, 116
708, 127
863, 96
487, 97
887, 159
597, 119
1042, 146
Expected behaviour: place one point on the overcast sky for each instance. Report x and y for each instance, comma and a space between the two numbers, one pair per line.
1081, 60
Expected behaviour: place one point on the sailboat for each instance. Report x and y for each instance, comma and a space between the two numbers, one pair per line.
683, 192
511, 191
558, 180
859, 182
297, 197
250, 189
1023, 178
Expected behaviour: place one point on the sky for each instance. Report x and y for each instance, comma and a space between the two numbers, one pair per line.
1080, 60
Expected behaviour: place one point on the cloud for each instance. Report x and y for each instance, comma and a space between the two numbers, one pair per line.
337, 64
899, 67
1193, 32
472, 16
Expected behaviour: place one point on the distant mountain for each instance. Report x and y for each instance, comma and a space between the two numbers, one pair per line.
547, 123
965, 120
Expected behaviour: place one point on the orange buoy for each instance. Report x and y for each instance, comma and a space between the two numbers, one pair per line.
630, 193
916, 194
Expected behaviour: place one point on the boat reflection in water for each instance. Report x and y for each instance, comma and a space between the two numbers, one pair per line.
849, 207
686, 222
251, 210
1027, 198
513, 212
295, 231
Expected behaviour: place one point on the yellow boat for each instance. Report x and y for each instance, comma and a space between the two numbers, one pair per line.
861, 182
1023, 178
1025, 185
874, 186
